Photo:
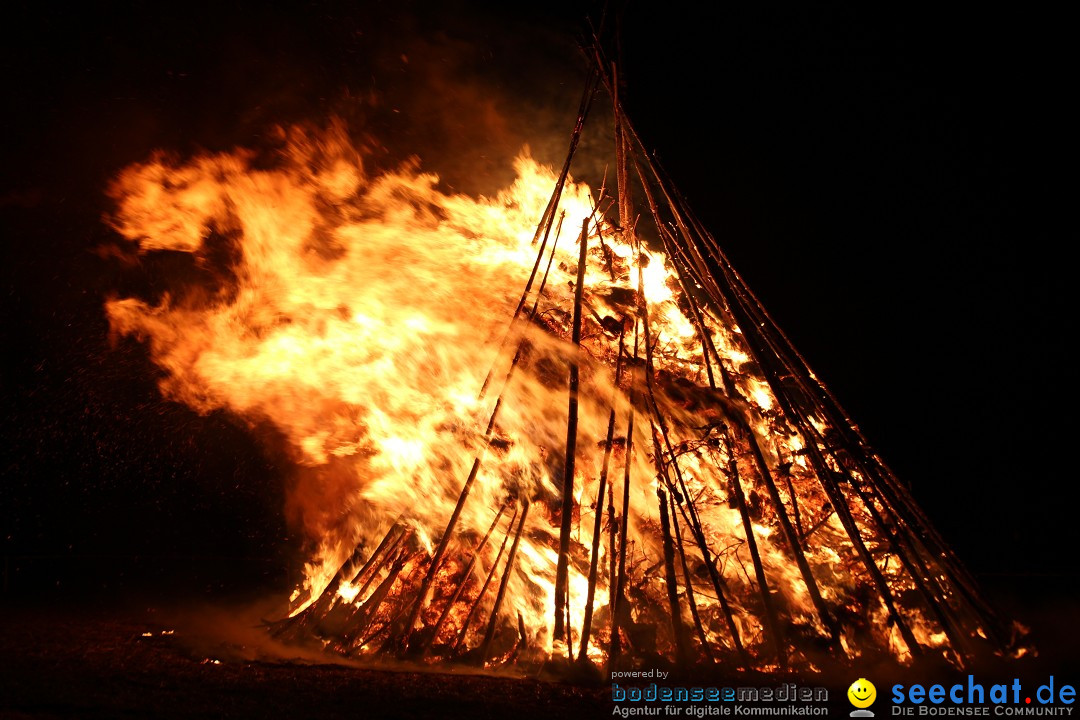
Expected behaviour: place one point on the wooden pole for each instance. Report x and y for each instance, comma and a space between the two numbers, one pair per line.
672, 583
695, 524
436, 559
586, 626
618, 580
562, 567
492, 623
776, 342
731, 304
324, 602
487, 581
688, 581
366, 613
464, 578
751, 540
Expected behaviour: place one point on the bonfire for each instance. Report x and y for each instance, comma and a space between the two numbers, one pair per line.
547, 425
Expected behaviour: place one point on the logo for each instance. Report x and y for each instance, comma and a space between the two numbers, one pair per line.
974, 698
862, 694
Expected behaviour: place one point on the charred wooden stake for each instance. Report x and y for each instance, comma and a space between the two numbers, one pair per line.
828, 619
729, 301
801, 534
521, 303
687, 578
492, 623
487, 581
613, 563
618, 579
688, 581
622, 175
463, 495
795, 365
586, 626
464, 578
562, 569
366, 614
919, 574
662, 475
392, 552
436, 559
759, 344
387, 546
843, 512
324, 602
695, 524
569, 635
825, 518
672, 583
751, 541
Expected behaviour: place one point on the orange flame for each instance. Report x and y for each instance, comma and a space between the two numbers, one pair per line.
360, 317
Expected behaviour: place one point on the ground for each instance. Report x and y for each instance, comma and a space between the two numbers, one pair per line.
107, 664
130, 658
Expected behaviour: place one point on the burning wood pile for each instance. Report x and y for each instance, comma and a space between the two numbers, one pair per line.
536, 426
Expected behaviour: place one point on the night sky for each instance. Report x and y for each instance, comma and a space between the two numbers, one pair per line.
891, 183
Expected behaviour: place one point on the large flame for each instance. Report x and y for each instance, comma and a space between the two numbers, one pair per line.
360, 314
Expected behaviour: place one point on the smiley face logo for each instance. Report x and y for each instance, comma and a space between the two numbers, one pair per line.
862, 693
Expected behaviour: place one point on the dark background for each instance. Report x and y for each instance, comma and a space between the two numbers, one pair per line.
891, 182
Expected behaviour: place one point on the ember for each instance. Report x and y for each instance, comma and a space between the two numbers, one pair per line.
530, 427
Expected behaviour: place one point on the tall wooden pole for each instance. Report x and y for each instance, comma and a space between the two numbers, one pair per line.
562, 569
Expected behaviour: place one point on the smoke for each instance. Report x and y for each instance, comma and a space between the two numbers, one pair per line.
468, 90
